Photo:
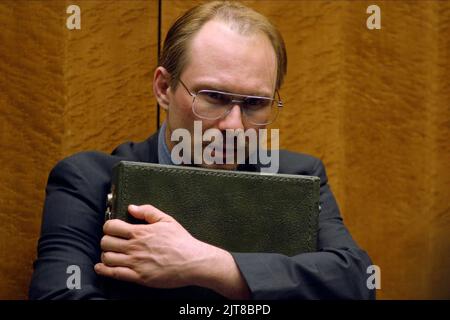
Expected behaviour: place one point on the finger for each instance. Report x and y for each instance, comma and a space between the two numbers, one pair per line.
148, 213
118, 228
119, 273
114, 259
110, 243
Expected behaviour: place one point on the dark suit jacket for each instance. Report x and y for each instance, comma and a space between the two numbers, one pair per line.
72, 228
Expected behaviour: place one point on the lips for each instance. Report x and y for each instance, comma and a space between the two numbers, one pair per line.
224, 152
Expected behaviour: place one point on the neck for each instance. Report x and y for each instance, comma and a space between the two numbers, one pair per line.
167, 135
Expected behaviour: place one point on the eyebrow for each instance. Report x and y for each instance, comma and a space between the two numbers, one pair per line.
206, 86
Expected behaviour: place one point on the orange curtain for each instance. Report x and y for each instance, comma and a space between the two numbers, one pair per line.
372, 104
64, 91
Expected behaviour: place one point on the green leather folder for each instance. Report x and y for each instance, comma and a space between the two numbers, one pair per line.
235, 210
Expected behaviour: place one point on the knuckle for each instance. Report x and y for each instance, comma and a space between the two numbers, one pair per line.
133, 233
132, 247
134, 259
129, 234
137, 232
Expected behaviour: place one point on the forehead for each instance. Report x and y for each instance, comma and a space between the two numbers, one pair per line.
224, 59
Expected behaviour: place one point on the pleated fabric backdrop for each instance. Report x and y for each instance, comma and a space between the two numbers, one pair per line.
374, 105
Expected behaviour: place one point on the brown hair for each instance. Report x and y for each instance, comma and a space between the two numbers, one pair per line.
241, 18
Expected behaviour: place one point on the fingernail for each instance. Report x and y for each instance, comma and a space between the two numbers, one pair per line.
132, 207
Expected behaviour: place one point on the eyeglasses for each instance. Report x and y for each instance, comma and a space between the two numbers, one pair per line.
213, 105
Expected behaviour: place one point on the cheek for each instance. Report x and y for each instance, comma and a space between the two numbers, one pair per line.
251, 126
180, 113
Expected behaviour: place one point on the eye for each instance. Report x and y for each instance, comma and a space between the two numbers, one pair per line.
254, 104
216, 97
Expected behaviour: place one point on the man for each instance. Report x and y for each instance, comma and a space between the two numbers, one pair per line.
228, 49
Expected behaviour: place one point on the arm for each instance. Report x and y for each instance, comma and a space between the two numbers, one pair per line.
162, 254
336, 271
70, 235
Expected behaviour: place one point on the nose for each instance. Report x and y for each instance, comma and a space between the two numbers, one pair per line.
233, 120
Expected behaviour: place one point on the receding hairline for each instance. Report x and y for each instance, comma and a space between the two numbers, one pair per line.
240, 18
246, 33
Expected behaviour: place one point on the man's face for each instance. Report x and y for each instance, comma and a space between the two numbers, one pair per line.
222, 59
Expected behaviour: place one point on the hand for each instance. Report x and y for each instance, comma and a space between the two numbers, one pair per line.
162, 254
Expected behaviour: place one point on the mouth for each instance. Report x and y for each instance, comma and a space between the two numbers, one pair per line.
220, 151
232, 152
224, 151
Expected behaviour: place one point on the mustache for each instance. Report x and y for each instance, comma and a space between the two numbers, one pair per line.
236, 141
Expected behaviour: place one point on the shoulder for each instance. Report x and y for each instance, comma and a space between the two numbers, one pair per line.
89, 173
97, 166
302, 164
84, 172
87, 164
85, 176
298, 163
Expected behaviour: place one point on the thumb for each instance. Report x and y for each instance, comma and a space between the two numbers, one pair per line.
148, 213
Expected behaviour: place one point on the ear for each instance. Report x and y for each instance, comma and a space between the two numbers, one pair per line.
161, 87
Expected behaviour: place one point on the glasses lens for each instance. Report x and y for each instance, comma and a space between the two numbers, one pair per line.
212, 105
260, 110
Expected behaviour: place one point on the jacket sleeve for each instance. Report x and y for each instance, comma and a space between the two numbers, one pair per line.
70, 236
336, 271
